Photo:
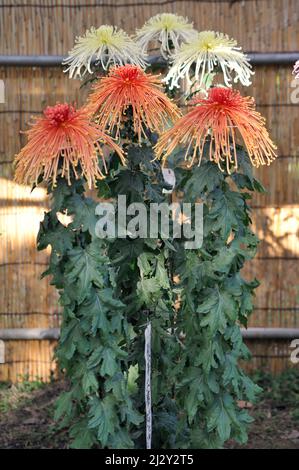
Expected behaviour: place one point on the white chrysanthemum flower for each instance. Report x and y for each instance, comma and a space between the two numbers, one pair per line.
168, 29
107, 45
207, 51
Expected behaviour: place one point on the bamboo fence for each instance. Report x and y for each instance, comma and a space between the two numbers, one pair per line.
49, 27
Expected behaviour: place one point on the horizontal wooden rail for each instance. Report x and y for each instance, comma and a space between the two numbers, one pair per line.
29, 333
256, 58
53, 333
270, 333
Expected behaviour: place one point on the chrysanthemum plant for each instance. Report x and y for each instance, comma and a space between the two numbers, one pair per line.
112, 289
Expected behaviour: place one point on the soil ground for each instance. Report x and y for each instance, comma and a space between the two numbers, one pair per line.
26, 416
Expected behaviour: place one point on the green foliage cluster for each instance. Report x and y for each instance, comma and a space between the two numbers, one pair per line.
215, 301
196, 301
93, 347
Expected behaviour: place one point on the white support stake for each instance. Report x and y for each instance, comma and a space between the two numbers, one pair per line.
147, 388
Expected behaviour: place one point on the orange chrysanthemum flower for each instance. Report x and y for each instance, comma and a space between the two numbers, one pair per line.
60, 141
220, 119
128, 86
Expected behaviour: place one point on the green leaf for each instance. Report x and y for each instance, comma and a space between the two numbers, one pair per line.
244, 177
231, 374
102, 417
53, 233
121, 440
206, 177
144, 264
132, 416
63, 405
95, 358
148, 290
109, 365
83, 438
222, 261
227, 212
218, 307
68, 334
89, 382
161, 273
194, 397
104, 191
107, 297
219, 420
130, 183
133, 374
251, 389
84, 268
61, 194
83, 210
96, 312
210, 355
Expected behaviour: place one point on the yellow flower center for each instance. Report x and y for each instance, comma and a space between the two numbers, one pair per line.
105, 37
170, 22
208, 46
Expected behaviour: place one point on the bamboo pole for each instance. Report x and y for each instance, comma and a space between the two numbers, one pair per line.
256, 58
53, 333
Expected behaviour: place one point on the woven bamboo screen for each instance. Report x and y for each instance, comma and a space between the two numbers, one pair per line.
49, 27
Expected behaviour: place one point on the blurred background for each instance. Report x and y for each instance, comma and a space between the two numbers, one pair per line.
48, 27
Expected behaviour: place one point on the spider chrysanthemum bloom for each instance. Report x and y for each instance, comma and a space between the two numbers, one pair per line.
296, 70
168, 29
207, 51
106, 45
130, 87
220, 121
62, 141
